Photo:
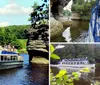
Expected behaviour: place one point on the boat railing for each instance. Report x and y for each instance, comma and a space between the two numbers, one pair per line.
94, 26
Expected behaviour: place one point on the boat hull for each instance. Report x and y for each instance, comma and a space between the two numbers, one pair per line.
74, 66
10, 64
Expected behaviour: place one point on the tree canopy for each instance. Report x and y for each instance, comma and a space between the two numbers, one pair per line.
11, 34
83, 7
80, 51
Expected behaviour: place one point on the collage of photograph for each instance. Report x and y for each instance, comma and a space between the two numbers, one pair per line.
50, 42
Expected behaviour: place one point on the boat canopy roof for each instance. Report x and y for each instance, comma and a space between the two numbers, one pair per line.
7, 52
76, 59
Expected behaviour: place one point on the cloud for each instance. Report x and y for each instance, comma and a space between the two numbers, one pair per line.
15, 9
4, 24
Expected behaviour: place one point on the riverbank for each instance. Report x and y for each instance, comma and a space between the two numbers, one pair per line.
83, 18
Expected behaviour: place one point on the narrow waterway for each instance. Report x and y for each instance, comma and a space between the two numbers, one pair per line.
29, 74
73, 33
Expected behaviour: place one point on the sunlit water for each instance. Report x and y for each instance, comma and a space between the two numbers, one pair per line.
27, 75
86, 78
75, 33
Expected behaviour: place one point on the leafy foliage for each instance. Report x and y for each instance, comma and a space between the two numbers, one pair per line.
62, 78
83, 7
54, 56
11, 34
39, 24
66, 13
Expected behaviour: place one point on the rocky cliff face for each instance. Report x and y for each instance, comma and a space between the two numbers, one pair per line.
37, 44
57, 7
57, 20
37, 34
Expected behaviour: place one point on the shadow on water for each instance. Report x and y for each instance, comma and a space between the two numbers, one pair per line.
77, 28
29, 74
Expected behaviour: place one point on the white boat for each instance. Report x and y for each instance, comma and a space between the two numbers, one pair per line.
75, 63
10, 60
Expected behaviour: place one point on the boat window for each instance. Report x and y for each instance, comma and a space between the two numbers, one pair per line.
77, 62
5, 57
1, 58
71, 62
74, 62
81, 62
11, 57
14, 58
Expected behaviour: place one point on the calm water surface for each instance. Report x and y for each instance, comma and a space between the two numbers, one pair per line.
86, 79
75, 31
27, 75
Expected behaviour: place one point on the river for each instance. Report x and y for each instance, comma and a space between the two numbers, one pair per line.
29, 74
77, 29
86, 78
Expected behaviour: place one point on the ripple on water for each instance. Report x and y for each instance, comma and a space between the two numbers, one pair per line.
28, 75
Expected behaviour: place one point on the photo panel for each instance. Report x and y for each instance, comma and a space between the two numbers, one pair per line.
74, 64
75, 20
24, 42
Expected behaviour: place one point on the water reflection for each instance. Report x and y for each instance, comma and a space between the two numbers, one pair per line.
30, 74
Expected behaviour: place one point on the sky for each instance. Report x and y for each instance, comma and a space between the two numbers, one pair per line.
15, 12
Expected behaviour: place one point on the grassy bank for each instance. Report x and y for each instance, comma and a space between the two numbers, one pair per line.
23, 44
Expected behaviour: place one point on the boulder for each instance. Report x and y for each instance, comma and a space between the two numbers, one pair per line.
65, 21
56, 27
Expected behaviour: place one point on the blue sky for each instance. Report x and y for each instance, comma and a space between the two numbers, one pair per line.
15, 12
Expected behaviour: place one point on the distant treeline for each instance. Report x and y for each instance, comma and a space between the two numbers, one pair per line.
11, 34
92, 52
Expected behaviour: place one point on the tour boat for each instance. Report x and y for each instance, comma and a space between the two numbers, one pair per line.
75, 63
10, 60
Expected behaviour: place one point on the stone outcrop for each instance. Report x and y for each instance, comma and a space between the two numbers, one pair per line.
37, 34
57, 21
57, 7
56, 27
37, 44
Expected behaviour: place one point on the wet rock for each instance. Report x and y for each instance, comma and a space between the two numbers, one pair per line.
39, 60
